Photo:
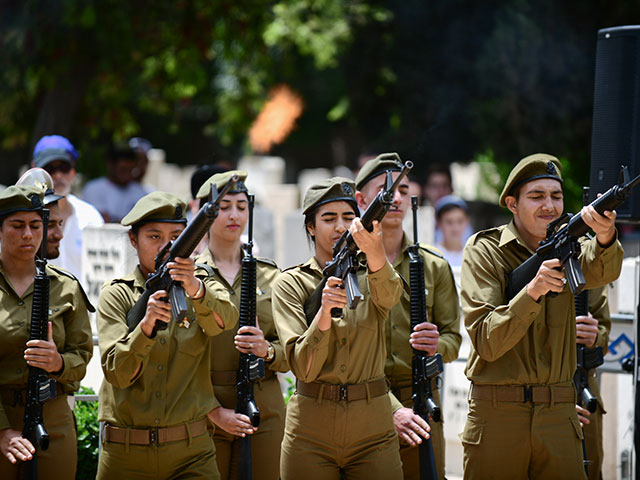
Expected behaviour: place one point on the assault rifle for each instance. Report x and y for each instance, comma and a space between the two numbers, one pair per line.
182, 247
345, 259
251, 367
564, 245
40, 388
424, 368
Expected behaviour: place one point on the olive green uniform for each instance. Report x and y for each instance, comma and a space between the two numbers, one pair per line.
265, 443
324, 436
599, 308
443, 309
72, 335
158, 382
513, 431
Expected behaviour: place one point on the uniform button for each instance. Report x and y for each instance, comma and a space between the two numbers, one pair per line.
395, 326
532, 314
21, 303
163, 341
157, 421
343, 368
540, 356
158, 394
395, 354
19, 370
315, 339
148, 347
344, 341
538, 326
232, 292
160, 367
22, 324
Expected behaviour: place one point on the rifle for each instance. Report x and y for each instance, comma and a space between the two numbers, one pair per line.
182, 247
345, 260
250, 367
424, 368
40, 388
564, 245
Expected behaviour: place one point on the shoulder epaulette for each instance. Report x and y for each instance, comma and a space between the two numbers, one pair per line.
267, 261
474, 238
67, 273
207, 268
126, 281
300, 265
431, 250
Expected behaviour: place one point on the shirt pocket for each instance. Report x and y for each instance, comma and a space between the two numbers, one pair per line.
473, 429
191, 341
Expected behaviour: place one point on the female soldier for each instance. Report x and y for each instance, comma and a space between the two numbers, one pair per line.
64, 355
157, 392
224, 257
339, 419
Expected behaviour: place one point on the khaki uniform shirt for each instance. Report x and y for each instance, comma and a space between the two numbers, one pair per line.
352, 350
599, 308
68, 315
443, 309
522, 342
173, 384
224, 355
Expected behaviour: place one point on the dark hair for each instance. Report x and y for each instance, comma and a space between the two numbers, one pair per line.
440, 168
121, 150
448, 208
310, 220
202, 174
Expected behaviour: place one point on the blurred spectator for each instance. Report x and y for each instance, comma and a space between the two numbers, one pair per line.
415, 188
58, 156
452, 219
438, 183
141, 146
115, 195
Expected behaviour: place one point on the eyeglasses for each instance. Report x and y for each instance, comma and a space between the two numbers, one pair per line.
54, 167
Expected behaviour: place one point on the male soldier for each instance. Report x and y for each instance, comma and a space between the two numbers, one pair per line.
522, 419
440, 333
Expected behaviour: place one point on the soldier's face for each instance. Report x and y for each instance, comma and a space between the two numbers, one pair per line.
232, 218
150, 239
538, 203
401, 199
20, 236
54, 231
331, 221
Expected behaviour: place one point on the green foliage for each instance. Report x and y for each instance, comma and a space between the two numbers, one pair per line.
291, 387
88, 436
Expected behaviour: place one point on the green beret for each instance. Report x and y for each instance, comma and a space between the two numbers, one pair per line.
221, 179
21, 198
330, 190
157, 207
533, 167
384, 162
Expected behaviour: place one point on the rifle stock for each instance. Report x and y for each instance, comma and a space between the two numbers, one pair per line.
182, 247
564, 245
345, 261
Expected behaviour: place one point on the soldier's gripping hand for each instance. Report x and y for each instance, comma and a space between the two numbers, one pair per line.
548, 279
425, 338
232, 422
44, 354
15, 447
602, 225
182, 270
157, 309
370, 243
411, 428
586, 330
583, 415
333, 296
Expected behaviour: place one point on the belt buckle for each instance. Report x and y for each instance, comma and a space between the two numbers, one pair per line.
342, 392
153, 437
528, 393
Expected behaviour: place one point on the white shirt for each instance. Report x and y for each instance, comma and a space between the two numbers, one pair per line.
83, 215
454, 258
114, 200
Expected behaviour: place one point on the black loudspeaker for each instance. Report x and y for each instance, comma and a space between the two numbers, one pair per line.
615, 136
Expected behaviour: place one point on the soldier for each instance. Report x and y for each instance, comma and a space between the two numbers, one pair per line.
522, 419
593, 331
156, 392
64, 355
224, 257
339, 420
441, 332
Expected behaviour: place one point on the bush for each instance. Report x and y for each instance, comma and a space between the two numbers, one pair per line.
88, 436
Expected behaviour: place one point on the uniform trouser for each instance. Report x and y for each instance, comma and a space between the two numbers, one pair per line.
511, 441
59, 461
593, 432
410, 455
182, 459
325, 438
265, 443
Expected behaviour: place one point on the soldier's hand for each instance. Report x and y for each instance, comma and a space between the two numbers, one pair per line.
182, 270
370, 243
157, 309
602, 225
586, 330
548, 279
425, 338
232, 422
44, 354
411, 428
251, 340
15, 447
334, 295
583, 415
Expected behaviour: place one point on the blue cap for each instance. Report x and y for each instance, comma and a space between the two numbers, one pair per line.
450, 201
54, 142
